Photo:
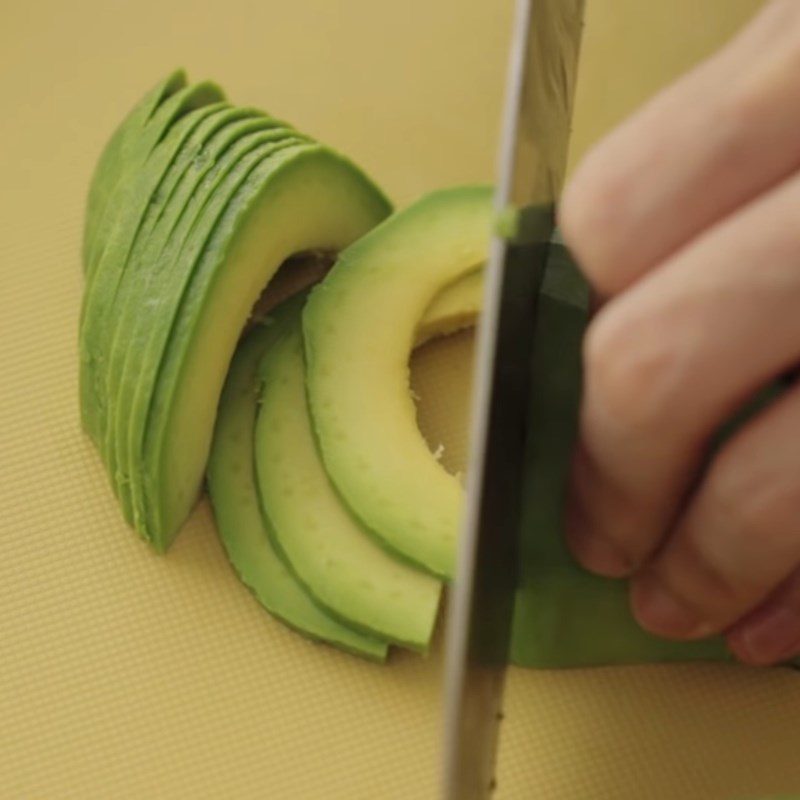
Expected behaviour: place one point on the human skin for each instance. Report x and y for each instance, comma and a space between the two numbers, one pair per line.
686, 219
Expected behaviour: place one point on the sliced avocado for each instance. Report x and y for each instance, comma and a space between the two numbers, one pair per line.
115, 160
359, 329
146, 299
339, 563
303, 198
132, 201
149, 338
242, 529
565, 616
165, 115
455, 307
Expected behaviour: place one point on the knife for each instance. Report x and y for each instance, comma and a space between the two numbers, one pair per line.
533, 155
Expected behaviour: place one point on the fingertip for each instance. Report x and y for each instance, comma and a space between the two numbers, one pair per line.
768, 637
593, 550
659, 611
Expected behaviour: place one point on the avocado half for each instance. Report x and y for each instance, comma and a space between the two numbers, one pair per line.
192, 209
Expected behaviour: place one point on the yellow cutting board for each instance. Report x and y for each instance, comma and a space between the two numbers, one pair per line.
128, 675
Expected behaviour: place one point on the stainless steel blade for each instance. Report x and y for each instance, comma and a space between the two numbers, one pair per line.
533, 156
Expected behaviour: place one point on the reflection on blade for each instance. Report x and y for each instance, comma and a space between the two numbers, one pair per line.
533, 157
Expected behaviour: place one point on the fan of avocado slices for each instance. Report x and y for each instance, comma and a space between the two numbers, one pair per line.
193, 207
329, 503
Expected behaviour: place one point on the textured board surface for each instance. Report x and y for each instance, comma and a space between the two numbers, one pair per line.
127, 675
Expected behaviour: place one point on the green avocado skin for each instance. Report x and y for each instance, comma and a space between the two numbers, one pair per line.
242, 530
144, 322
117, 157
169, 110
116, 237
304, 197
565, 616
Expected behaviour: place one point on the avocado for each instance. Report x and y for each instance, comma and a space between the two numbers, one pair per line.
245, 532
241, 527
455, 307
116, 158
359, 329
565, 616
156, 270
339, 563
131, 202
150, 337
304, 197
168, 111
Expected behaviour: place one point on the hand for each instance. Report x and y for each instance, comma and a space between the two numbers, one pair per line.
687, 221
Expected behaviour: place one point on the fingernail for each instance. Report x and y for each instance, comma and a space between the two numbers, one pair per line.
772, 637
658, 611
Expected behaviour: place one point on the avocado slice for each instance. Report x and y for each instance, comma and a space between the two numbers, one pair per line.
303, 198
132, 201
164, 116
456, 307
150, 336
242, 529
145, 294
115, 160
359, 329
339, 563
245, 532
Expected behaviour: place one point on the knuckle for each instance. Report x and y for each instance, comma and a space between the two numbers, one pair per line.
631, 369
763, 505
590, 212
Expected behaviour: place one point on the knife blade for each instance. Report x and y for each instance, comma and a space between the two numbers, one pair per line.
532, 164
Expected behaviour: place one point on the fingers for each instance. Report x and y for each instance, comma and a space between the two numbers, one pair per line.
771, 634
669, 361
708, 144
738, 539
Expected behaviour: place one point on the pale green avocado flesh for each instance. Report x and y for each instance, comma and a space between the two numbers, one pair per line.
457, 306
337, 561
359, 327
152, 294
246, 533
241, 526
302, 198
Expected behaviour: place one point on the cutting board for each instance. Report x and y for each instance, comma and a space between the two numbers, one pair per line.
128, 675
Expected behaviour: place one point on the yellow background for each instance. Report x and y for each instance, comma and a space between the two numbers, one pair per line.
126, 675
